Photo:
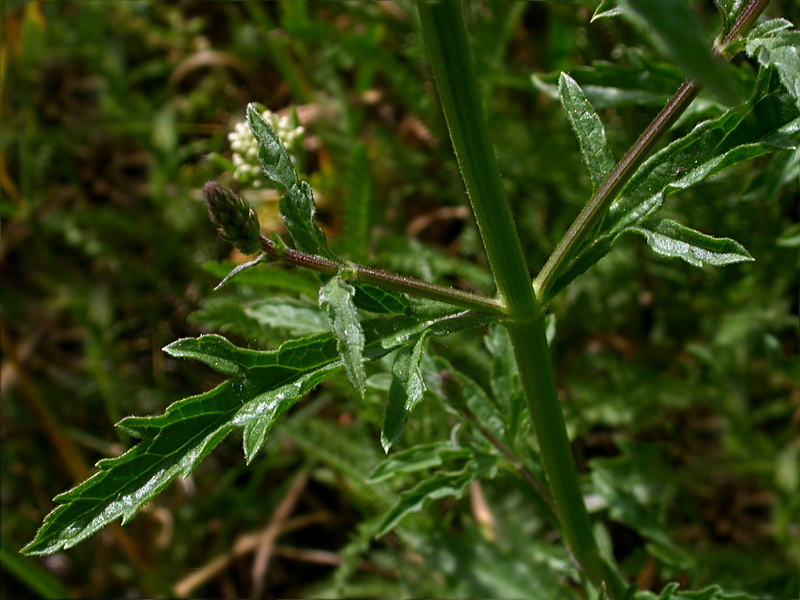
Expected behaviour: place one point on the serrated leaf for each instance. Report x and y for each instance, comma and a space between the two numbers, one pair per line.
771, 122
588, 129
418, 458
669, 238
265, 385
337, 297
709, 148
174, 444
776, 44
675, 27
297, 201
217, 352
405, 391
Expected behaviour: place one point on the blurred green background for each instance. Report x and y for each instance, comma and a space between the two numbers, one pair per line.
111, 113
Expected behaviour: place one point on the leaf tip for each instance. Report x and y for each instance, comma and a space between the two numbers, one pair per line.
251, 111
386, 443
173, 348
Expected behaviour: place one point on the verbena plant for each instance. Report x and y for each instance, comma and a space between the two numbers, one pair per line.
379, 324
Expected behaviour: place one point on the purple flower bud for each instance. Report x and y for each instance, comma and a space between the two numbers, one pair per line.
236, 222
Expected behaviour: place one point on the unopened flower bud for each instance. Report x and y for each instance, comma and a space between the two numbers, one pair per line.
236, 221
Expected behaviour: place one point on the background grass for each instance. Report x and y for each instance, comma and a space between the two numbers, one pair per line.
679, 383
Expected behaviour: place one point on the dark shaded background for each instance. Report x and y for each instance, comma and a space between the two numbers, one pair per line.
110, 114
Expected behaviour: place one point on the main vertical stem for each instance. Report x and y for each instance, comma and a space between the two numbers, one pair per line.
446, 40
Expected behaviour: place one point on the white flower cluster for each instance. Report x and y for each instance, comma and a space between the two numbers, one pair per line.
245, 148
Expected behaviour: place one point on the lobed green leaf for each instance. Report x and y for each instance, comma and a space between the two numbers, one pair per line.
767, 124
173, 445
217, 352
263, 386
220, 354
436, 487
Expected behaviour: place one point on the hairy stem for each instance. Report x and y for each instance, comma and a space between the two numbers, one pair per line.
445, 38
386, 279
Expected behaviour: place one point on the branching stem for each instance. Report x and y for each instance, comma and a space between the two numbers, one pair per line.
594, 211
598, 205
386, 279
445, 36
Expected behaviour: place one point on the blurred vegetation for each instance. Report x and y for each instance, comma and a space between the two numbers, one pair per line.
680, 384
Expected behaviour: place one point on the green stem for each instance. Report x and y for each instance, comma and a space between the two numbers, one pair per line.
446, 41
594, 211
386, 279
